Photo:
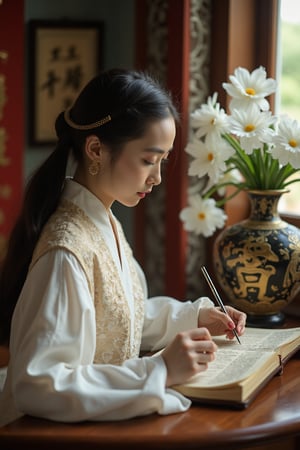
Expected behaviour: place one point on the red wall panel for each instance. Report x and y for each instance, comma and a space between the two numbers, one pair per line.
12, 38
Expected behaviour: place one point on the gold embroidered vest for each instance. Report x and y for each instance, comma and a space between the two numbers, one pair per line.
71, 229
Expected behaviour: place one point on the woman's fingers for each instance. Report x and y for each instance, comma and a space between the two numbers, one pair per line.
189, 353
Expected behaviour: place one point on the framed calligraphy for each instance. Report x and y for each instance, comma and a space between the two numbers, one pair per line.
63, 57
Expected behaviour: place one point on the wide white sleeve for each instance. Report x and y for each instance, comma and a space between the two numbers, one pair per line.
51, 371
166, 316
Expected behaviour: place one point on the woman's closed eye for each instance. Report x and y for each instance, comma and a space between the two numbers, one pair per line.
148, 163
152, 163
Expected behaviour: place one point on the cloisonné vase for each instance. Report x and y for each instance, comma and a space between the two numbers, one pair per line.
257, 261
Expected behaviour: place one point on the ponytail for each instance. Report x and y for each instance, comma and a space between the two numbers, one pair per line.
41, 198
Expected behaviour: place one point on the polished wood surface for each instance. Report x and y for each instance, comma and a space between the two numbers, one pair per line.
274, 416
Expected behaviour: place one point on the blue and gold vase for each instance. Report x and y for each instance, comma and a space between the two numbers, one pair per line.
257, 261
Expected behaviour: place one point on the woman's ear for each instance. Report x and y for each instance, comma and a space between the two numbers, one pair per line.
93, 148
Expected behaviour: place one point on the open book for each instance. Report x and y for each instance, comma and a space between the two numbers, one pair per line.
238, 372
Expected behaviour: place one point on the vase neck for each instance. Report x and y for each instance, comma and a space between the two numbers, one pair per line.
264, 205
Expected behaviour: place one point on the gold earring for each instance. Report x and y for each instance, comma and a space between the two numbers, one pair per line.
94, 168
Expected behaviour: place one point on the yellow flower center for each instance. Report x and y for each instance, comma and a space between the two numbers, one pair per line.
210, 156
213, 121
250, 91
201, 216
249, 127
293, 143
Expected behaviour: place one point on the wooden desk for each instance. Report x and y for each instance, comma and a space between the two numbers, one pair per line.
271, 422
273, 417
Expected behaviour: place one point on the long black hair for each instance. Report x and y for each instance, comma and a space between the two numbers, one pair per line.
130, 100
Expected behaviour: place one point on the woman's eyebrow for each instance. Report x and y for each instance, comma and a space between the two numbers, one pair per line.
157, 150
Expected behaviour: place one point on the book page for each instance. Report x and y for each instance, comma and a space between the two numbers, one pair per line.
235, 362
230, 366
263, 338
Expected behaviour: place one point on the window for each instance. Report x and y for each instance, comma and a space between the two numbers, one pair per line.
288, 101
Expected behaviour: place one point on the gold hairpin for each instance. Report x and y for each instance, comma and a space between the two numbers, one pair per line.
85, 127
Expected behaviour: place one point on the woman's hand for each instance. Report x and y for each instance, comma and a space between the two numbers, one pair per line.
219, 323
188, 354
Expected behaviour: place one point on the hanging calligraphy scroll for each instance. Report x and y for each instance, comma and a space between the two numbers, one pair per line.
63, 57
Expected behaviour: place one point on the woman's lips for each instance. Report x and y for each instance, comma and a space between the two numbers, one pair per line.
143, 194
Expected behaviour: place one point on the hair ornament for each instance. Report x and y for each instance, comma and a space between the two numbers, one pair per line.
90, 126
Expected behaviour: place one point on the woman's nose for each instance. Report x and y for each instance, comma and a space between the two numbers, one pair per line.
155, 176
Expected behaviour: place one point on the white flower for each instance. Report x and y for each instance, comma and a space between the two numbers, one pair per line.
202, 216
209, 118
287, 142
209, 157
252, 127
249, 88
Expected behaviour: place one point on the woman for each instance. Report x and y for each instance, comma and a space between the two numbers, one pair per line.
78, 297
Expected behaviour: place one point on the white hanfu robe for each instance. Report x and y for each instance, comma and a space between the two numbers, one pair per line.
52, 373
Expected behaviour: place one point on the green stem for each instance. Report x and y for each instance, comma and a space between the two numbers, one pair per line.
241, 161
296, 180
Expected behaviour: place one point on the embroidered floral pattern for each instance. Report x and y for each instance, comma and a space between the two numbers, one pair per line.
82, 238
